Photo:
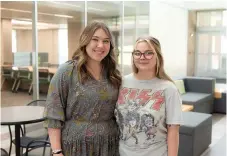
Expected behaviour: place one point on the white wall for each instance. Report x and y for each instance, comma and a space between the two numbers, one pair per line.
47, 42
169, 25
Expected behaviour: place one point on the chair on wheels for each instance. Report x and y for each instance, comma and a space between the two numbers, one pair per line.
31, 143
9, 74
3, 152
44, 78
24, 75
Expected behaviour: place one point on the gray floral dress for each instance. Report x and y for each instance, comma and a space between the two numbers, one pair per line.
84, 112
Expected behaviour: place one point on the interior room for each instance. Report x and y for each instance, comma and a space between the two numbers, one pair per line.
36, 38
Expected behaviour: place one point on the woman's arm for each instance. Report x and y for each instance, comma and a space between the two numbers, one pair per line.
56, 105
173, 139
55, 138
173, 119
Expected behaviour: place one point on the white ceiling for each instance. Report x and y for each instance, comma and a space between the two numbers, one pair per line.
50, 10
198, 4
61, 12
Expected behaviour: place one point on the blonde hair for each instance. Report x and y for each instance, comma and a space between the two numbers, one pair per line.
109, 62
160, 72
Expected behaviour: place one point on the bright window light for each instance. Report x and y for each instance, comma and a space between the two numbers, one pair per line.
14, 41
63, 45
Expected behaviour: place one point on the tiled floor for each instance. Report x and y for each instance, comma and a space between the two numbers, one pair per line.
217, 147
16, 99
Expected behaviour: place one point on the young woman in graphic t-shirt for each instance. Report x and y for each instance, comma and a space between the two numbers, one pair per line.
148, 110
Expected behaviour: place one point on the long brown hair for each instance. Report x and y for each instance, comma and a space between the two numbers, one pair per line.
160, 72
109, 63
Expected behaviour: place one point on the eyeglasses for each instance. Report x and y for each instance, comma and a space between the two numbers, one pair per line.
147, 55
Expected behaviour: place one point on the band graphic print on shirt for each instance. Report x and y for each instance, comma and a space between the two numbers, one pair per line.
136, 106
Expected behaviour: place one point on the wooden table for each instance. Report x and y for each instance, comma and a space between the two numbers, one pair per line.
51, 70
219, 89
187, 108
218, 93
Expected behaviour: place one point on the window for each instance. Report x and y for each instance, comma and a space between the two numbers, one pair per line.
63, 45
211, 44
210, 18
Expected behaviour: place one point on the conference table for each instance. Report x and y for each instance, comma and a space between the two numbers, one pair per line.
30, 68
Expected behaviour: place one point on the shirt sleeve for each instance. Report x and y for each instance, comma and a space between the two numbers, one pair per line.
57, 98
173, 106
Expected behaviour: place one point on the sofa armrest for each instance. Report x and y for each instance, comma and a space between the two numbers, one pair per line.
199, 84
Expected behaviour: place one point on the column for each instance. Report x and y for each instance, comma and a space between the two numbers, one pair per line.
191, 43
6, 47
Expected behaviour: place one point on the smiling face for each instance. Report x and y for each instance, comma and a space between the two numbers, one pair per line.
147, 60
99, 46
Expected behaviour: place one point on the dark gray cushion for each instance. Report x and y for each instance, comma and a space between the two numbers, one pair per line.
199, 84
192, 120
195, 98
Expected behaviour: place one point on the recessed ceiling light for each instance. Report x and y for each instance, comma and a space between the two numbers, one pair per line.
66, 16
95, 9
16, 10
66, 4
40, 13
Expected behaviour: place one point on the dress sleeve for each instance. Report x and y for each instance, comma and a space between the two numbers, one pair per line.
57, 97
173, 106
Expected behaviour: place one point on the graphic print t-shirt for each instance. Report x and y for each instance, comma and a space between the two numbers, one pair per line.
144, 108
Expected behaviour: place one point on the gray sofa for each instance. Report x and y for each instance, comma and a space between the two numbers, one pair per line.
199, 93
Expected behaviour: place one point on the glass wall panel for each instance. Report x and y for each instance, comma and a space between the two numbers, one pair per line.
16, 21
60, 24
136, 23
110, 13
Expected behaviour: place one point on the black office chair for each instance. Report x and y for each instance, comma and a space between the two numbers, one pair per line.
3, 152
23, 75
44, 78
9, 74
31, 143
